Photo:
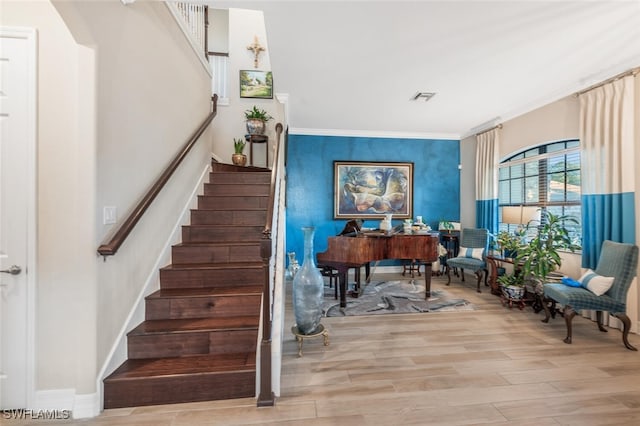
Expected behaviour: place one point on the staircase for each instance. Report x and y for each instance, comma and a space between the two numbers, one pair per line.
198, 340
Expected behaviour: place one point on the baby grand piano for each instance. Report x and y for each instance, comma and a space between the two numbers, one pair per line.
361, 247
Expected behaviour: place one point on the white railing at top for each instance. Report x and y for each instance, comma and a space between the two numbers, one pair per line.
195, 17
193, 20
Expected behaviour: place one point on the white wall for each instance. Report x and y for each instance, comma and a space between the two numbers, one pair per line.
218, 33
66, 236
119, 92
243, 26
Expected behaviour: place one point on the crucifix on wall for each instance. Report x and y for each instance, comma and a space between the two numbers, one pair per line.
256, 48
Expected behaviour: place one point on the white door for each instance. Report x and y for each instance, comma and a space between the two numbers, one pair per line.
17, 157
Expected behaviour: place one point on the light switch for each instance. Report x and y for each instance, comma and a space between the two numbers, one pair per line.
109, 215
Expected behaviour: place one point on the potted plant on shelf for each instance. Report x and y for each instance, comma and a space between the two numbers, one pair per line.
239, 158
509, 243
256, 120
446, 225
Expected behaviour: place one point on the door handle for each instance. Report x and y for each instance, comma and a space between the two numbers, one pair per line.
13, 270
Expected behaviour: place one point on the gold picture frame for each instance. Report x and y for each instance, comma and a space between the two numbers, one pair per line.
369, 190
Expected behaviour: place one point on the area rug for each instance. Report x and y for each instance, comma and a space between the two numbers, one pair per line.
394, 297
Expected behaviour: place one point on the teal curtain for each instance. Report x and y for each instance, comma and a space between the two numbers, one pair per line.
487, 180
608, 168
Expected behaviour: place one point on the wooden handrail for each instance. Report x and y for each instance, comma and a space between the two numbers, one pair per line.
272, 192
111, 248
266, 396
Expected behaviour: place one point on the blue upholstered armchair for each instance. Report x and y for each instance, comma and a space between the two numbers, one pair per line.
472, 252
617, 260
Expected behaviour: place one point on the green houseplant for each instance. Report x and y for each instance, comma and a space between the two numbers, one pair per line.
509, 243
239, 158
256, 119
512, 285
542, 255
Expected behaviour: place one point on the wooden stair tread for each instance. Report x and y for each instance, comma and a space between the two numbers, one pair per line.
206, 291
197, 364
227, 225
189, 325
198, 342
217, 243
242, 209
209, 266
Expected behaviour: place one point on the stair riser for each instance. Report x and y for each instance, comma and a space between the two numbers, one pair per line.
247, 177
210, 277
231, 203
238, 218
215, 254
179, 388
205, 233
201, 307
162, 345
236, 189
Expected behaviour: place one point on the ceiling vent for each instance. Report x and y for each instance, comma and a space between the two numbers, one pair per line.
423, 95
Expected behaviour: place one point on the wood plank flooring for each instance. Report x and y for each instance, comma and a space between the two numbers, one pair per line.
494, 365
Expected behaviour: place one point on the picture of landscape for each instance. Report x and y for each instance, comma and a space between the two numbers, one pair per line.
256, 84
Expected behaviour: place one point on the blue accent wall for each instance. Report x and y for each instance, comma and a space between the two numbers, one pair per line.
436, 184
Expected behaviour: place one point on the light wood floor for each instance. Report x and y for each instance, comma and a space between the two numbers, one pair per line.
494, 365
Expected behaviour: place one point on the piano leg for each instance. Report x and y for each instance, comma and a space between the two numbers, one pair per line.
342, 279
427, 280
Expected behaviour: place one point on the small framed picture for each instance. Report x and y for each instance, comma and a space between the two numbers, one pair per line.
256, 84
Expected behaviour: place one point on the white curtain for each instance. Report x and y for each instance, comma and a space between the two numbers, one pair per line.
487, 180
607, 121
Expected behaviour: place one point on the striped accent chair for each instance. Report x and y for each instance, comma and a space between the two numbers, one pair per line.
618, 260
474, 243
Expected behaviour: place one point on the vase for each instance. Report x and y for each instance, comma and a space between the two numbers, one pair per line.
308, 289
239, 159
255, 126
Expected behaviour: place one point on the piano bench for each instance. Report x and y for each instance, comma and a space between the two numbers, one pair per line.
328, 271
411, 266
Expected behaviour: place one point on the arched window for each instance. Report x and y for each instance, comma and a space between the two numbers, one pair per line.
545, 177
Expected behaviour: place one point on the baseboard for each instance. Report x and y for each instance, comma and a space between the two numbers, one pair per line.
118, 353
63, 404
86, 406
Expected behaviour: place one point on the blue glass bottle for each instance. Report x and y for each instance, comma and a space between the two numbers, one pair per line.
308, 289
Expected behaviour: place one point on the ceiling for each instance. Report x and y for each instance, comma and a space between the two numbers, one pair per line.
355, 66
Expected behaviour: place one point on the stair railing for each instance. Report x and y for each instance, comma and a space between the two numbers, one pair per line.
110, 248
194, 21
268, 247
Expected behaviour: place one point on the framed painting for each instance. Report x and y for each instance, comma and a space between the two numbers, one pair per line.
369, 190
256, 84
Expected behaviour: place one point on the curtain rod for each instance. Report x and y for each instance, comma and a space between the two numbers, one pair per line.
632, 71
499, 126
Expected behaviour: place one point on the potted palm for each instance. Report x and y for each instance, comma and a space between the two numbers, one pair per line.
239, 158
256, 119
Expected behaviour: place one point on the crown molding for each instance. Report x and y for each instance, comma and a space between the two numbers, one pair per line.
372, 134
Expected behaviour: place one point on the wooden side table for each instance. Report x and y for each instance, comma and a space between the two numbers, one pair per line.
257, 139
452, 243
494, 261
